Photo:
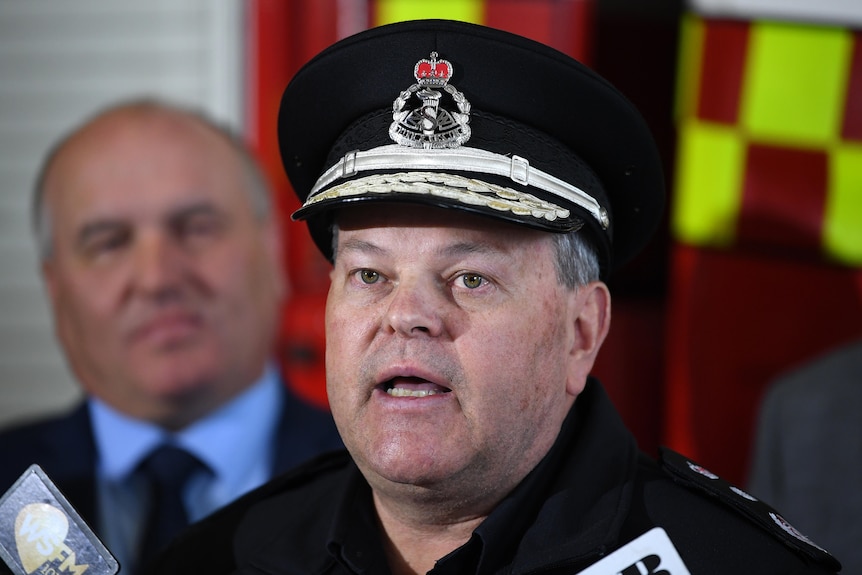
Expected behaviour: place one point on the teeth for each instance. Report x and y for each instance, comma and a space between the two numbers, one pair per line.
401, 392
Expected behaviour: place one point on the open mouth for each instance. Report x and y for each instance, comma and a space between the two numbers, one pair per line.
412, 387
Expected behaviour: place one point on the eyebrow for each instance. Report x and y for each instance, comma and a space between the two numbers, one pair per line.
95, 228
204, 207
109, 224
361, 246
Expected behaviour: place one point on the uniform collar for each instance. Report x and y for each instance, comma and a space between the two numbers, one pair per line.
573, 504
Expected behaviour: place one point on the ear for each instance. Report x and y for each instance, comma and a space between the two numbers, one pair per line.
590, 310
52, 279
275, 242
49, 278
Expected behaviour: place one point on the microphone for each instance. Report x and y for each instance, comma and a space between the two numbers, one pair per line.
42, 534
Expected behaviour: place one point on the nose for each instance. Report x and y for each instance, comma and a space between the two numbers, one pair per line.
157, 265
416, 309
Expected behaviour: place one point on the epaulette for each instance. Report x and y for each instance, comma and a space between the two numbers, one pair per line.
686, 472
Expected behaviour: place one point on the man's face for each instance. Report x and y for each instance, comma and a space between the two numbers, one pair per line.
165, 286
448, 349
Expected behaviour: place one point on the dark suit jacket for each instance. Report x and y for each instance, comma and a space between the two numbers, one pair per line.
808, 451
65, 449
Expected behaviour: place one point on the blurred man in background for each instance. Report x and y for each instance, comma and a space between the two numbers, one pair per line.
806, 454
161, 256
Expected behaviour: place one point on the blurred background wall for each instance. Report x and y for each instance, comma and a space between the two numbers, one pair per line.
756, 107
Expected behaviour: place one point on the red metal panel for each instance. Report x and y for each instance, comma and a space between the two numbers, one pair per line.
314, 28
783, 199
630, 367
562, 24
268, 54
744, 318
288, 35
302, 346
722, 70
681, 330
281, 37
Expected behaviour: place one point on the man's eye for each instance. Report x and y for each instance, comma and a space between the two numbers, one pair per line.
105, 243
472, 281
199, 226
369, 276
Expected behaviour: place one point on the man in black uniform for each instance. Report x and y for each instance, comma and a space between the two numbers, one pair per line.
473, 189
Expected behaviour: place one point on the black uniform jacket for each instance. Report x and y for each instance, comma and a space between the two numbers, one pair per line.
590, 495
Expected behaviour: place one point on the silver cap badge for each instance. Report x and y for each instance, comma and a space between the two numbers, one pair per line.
429, 125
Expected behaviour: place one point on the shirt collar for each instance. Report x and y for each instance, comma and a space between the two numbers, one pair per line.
220, 440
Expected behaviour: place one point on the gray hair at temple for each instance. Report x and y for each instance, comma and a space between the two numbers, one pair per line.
257, 185
577, 261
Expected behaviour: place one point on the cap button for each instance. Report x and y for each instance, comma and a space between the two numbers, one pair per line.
604, 220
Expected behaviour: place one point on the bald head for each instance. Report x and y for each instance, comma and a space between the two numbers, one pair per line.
133, 119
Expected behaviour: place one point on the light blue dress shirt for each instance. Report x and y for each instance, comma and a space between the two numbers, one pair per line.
237, 443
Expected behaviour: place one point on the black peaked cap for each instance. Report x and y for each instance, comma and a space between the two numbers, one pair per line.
526, 100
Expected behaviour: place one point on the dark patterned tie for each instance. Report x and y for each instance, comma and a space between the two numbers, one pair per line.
167, 469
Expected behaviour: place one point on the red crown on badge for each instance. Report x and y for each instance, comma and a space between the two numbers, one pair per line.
433, 72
